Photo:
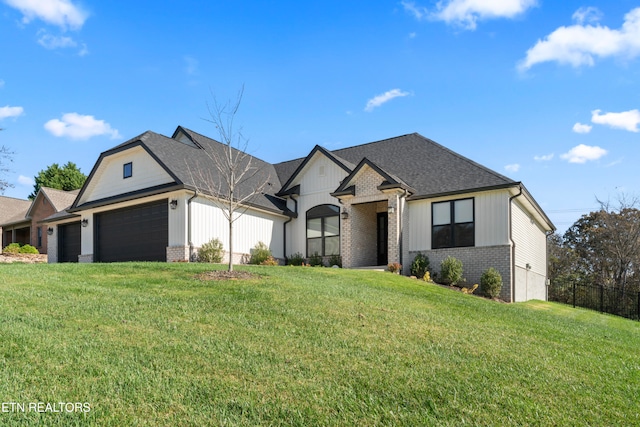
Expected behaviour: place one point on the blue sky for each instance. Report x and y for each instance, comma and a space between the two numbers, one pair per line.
544, 92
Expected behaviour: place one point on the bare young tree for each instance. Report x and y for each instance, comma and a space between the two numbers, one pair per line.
231, 176
6, 156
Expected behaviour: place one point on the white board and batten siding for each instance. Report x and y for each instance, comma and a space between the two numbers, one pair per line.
530, 240
530, 255
209, 222
491, 211
320, 177
108, 179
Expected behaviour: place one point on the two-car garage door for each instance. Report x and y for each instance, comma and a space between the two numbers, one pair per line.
137, 233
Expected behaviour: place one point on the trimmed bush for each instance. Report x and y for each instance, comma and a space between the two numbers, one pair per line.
315, 260
491, 282
451, 271
28, 249
295, 259
211, 251
12, 248
335, 260
420, 265
260, 253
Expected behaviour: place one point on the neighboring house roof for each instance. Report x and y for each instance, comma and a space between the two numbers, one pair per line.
59, 199
13, 210
16, 211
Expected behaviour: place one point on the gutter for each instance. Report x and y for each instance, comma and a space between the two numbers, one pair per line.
195, 194
513, 244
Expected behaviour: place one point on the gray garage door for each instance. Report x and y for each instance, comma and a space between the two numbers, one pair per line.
137, 233
69, 242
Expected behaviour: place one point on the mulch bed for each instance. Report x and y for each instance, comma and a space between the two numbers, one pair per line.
24, 258
227, 275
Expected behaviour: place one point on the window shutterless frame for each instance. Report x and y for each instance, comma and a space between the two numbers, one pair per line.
323, 230
453, 223
127, 170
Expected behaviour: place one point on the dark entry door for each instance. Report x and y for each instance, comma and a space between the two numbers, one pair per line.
383, 237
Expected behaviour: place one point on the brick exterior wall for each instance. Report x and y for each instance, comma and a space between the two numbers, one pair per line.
359, 232
87, 258
177, 253
363, 247
475, 261
39, 211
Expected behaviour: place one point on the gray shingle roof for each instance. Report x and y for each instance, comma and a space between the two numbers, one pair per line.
424, 165
418, 163
192, 168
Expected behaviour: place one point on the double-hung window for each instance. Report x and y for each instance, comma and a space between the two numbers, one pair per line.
453, 224
323, 230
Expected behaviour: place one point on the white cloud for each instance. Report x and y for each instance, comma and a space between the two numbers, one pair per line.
76, 126
25, 180
515, 167
544, 158
584, 153
579, 44
418, 12
378, 100
587, 14
61, 13
582, 128
56, 42
466, 13
627, 120
7, 111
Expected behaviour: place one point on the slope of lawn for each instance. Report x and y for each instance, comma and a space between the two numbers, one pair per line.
151, 344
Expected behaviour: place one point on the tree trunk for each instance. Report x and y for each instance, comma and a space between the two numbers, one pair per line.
230, 240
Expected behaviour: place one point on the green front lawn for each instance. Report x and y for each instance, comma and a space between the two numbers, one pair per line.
150, 344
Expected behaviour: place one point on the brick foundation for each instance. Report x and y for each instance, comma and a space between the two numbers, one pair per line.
475, 261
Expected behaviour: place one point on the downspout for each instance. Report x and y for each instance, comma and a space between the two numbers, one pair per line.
547, 281
513, 244
284, 243
195, 194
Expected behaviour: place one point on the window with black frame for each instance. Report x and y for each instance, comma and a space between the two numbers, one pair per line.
453, 224
323, 230
127, 170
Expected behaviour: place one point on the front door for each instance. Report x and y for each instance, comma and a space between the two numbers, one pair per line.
383, 238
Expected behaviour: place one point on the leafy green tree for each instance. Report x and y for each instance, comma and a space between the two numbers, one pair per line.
67, 177
605, 245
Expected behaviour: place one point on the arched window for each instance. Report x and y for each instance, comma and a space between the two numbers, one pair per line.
323, 230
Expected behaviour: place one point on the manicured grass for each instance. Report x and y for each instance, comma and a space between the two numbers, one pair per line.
149, 344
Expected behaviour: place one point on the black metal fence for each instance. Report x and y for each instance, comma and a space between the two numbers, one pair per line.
604, 299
